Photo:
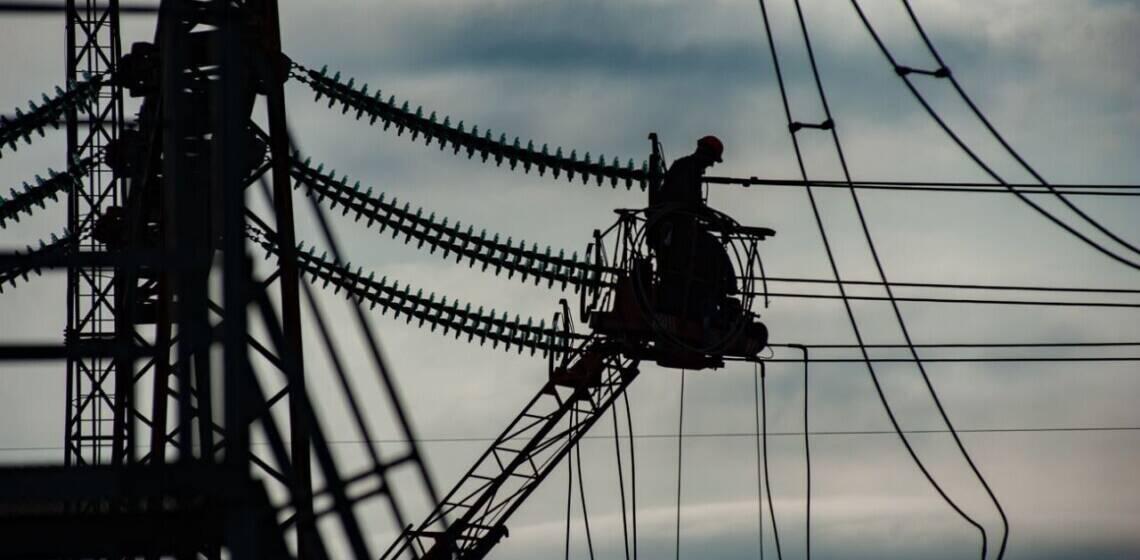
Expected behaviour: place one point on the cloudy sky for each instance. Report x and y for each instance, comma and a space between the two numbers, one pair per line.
1058, 78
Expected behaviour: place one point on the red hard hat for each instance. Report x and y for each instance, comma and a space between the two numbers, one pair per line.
711, 146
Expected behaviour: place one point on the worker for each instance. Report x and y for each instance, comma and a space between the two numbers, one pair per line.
695, 271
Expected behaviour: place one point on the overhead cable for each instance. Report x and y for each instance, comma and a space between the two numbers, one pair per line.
905, 72
829, 125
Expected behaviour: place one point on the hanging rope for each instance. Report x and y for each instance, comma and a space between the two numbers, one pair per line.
807, 456
621, 482
582, 491
569, 501
632, 469
759, 455
764, 449
829, 124
680, 446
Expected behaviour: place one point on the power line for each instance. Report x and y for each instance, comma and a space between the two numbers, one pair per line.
703, 435
935, 186
903, 73
959, 301
943, 285
828, 124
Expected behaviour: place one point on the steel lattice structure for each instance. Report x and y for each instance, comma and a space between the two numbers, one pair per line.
97, 429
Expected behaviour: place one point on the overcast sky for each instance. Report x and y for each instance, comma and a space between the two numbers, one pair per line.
1060, 79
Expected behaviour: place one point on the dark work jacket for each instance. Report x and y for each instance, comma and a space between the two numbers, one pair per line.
682, 184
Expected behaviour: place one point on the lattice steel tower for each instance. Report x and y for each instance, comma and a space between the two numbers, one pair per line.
95, 433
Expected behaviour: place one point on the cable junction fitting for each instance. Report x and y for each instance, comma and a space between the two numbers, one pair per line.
825, 125
942, 72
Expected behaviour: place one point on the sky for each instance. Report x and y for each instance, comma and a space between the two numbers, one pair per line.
1058, 78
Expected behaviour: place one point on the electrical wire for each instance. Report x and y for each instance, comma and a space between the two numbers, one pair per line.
621, 481
764, 453
934, 186
569, 501
831, 258
807, 459
680, 447
582, 491
894, 304
937, 285
759, 459
977, 159
632, 469
705, 435
1005, 144
958, 301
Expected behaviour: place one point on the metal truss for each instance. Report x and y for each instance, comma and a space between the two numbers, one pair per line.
520, 458
95, 430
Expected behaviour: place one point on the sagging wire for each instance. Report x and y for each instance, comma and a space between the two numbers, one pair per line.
759, 374
680, 448
807, 456
621, 482
582, 490
1001, 139
943, 72
632, 469
828, 124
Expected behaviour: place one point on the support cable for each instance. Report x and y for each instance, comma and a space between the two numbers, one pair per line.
904, 73
835, 270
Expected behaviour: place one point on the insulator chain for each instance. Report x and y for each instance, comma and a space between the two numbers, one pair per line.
26, 200
58, 244
458, 137
413, 305
446, 237
22, 125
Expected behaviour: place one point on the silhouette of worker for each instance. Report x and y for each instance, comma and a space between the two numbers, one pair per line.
695, 272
